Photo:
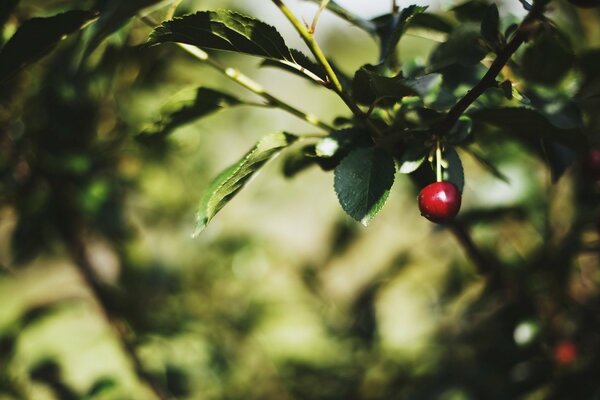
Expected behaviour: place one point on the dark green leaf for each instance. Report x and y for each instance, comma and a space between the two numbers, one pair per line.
113, 15
101, 386
490, 25
224, 30
412, 158
462, 47
454, 171
390, 29
229, 182
461, 130
369, 86
432, 22
559, 159
298, 160
547, 59
37, 37
471, 11
507, 89
206, 102
529, 124
363, 181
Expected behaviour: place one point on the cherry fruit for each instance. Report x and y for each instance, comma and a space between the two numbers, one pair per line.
592, 164
439, 202
565, 352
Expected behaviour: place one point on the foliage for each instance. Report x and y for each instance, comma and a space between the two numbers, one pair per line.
498, 105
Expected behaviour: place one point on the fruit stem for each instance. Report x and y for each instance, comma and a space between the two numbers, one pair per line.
438, 161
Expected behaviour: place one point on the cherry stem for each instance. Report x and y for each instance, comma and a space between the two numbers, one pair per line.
438, 161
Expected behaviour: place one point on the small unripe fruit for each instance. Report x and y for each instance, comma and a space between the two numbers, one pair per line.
439, 202
591, 165
565, 352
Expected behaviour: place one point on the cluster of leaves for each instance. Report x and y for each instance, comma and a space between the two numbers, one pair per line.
406, 104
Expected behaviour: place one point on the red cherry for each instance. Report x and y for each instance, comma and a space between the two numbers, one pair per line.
592, 164
439, 202
565, 352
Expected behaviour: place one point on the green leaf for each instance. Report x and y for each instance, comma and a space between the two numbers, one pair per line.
37, 37
113, 15
454, 172
462, 47
391, 27
471, 11
369, 86
461, 130
535, 65
229, 182
490, 25
507, 89
412, 158
206, 102
363, 181
298, 160
431, 22
224, 30
525, 123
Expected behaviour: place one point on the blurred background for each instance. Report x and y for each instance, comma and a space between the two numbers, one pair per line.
283, 296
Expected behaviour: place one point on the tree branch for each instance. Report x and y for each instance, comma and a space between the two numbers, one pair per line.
489, 79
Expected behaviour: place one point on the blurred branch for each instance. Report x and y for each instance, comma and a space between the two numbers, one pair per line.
482, 263
489, 79
71, 237
246, 81
334, 82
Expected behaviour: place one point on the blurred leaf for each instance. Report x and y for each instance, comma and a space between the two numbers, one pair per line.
529, 124
507, 89
391, 27
298, 160
535, 65
101, 386
454, 172
206, 102
462, 47
224, 30
461, 130
486, 164
7, 7
472, 11
432, 22
37, 37
303, 62
363, 181
412, 158
229, 182
559, 159
369, 86
113, 15
490, 25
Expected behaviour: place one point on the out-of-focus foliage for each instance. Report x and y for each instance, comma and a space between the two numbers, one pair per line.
104, 157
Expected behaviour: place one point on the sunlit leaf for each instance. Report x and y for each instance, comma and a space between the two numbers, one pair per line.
363, 181
229, 182
206, 102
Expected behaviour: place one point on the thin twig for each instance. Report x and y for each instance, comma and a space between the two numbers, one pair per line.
334, 81
482, 263
489, 79
245, 81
